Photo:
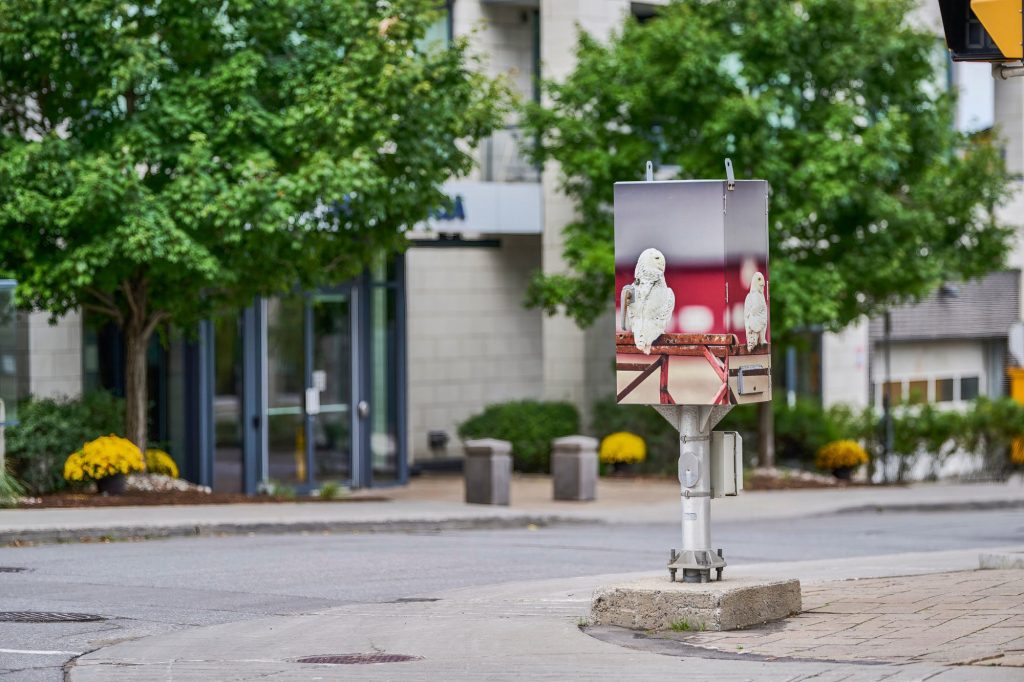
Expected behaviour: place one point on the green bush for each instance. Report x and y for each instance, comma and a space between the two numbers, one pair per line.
51, 429
662, 441
799, 431
529, 425
802, 429
989, 428
11, 490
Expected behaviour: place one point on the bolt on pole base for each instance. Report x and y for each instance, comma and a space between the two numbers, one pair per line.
696, 565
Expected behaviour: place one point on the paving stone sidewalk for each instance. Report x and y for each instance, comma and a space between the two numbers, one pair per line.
961, 618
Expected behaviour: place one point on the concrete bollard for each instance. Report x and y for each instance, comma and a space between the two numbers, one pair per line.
574, 468
488, 471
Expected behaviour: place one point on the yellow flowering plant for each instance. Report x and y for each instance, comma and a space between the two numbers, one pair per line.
840, 454
103, 457
623, 447
159, 462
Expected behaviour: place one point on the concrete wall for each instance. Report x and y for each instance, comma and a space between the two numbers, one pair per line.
471, 341
567, 362
844, 375
55, 355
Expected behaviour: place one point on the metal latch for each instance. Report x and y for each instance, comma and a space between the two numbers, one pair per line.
752, 379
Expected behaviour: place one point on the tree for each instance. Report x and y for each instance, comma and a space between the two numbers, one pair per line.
839, 104
161, 161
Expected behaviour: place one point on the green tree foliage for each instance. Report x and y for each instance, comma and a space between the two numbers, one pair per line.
160, 161
839, 104
530, 426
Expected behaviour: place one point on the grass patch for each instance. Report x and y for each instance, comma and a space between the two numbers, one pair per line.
681, 626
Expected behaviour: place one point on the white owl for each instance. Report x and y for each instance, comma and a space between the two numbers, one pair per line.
652, 301
755, 313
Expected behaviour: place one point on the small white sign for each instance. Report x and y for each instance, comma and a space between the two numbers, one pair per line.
312, 401
319, 379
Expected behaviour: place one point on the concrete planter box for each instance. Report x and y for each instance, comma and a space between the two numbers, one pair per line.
488, 471
574, 468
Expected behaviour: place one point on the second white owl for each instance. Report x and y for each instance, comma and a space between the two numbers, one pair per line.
755, 313
653, 301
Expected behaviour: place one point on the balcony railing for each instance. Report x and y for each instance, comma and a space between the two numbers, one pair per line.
503, 157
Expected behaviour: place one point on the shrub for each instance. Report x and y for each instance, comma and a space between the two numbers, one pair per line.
840, 454
623, 447
799, 431
159, 462
103, 457
662, 443
10, 489
529, 425
49, 429
990, 428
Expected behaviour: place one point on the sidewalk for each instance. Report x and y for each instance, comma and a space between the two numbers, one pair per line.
531, 631
435, 503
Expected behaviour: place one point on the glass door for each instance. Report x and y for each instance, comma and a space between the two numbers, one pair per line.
228, 453
309, 388
331, 379
286, 382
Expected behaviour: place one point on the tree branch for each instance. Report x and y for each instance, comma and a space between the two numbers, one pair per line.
157, 318
112, 313
130, 296
106, 299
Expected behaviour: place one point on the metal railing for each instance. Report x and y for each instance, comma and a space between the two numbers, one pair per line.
503, 157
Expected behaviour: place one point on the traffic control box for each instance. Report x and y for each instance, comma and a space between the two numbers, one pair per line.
984, 30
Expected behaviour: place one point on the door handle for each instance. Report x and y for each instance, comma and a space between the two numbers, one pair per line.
363, 409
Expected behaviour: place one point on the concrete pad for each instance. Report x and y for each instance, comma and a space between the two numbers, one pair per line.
657, 604
1001, 560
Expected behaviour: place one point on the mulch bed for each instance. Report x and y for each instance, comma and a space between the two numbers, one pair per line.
774, 483
185, 497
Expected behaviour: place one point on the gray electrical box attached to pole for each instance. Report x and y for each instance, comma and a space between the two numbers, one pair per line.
726, 463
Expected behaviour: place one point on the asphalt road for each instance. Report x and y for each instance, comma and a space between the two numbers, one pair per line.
154, 586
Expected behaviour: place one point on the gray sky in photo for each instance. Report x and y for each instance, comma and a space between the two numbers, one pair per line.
682, 219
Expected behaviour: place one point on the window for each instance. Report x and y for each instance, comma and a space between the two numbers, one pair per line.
918, 392
13, 353
944, 390
894, 391
968, 388
439, 34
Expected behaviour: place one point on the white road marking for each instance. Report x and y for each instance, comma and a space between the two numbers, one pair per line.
33, 652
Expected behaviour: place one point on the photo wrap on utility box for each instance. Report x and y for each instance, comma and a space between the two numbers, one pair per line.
692, 292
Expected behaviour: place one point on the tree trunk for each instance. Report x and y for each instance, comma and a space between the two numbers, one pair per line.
765, 434
136, 341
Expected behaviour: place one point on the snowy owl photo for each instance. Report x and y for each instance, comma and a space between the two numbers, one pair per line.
652, 301
755, 313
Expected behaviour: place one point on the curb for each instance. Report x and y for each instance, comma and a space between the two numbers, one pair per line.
18, 538
977, 505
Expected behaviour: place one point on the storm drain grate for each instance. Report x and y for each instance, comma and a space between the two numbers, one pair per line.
46, 617
13, 569
357, 659
414, 600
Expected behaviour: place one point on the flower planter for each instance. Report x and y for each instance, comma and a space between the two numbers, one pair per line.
843, 473
112, 485
622, 468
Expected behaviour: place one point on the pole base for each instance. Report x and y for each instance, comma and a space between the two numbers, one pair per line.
696, 565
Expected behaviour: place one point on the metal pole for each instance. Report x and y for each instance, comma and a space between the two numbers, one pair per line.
695, 482
1007, 71
697, 558
886, 398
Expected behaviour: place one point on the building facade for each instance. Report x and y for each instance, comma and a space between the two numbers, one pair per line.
954, 345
